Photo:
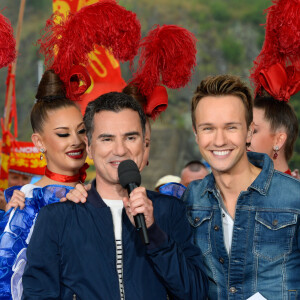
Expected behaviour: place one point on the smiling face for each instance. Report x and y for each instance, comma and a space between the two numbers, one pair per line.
117, 136
221, 132
63, 140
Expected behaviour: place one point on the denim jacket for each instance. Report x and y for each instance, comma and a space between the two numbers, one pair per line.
265, 250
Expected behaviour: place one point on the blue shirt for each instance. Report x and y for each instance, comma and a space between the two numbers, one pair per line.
265, 255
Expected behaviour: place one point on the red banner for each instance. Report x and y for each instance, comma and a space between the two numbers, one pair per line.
5, 152
104, 69
21, 157
25, 158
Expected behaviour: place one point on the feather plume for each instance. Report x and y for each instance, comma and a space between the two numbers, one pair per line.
68, 41
282, 40
7, 42
168, 56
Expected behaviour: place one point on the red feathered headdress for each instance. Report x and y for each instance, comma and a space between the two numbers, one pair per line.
168, 56
7, 42
67, 42
277, 68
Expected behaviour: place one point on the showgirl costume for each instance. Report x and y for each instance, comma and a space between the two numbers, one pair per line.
19, 225
173, 189
17, 232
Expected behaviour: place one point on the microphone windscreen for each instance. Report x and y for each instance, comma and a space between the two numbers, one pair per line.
129, 172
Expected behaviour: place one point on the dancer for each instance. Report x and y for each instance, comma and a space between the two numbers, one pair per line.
275, 131
58, 132
276, 78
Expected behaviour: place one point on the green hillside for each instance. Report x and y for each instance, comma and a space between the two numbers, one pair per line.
229, 38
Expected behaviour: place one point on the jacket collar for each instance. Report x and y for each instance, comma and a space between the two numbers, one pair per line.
262, 181
94, 198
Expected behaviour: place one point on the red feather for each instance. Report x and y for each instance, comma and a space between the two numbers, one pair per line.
7, 42
282, 39
104, 23
168, 56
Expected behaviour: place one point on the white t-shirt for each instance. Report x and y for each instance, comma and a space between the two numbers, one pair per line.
116, 207
227, 223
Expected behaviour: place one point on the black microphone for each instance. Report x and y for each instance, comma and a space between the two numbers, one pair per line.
130, 178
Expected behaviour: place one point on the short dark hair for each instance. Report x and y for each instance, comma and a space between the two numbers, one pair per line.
280, 114
114, 102
194, 165
224, 85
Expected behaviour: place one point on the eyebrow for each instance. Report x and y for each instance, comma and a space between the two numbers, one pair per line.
107, 135
211, 124
132, 133
68, 127
204, 124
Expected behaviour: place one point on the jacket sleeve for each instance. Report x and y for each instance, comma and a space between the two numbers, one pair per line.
41, 275
176, 260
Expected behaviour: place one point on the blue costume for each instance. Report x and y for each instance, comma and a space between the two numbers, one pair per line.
172, 189
265, 249
79, 254
17, 227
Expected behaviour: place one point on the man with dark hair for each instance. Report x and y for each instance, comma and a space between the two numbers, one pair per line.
92, 250
193, 170
245, 214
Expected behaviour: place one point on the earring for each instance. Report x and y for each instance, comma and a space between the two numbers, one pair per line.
42, 150
275, 155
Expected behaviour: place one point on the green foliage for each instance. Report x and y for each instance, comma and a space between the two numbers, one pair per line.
232, 49
220, 10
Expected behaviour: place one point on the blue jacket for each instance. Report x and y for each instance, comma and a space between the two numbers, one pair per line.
72, 252
265, 251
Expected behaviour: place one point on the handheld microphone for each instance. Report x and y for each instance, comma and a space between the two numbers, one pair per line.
130, 178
